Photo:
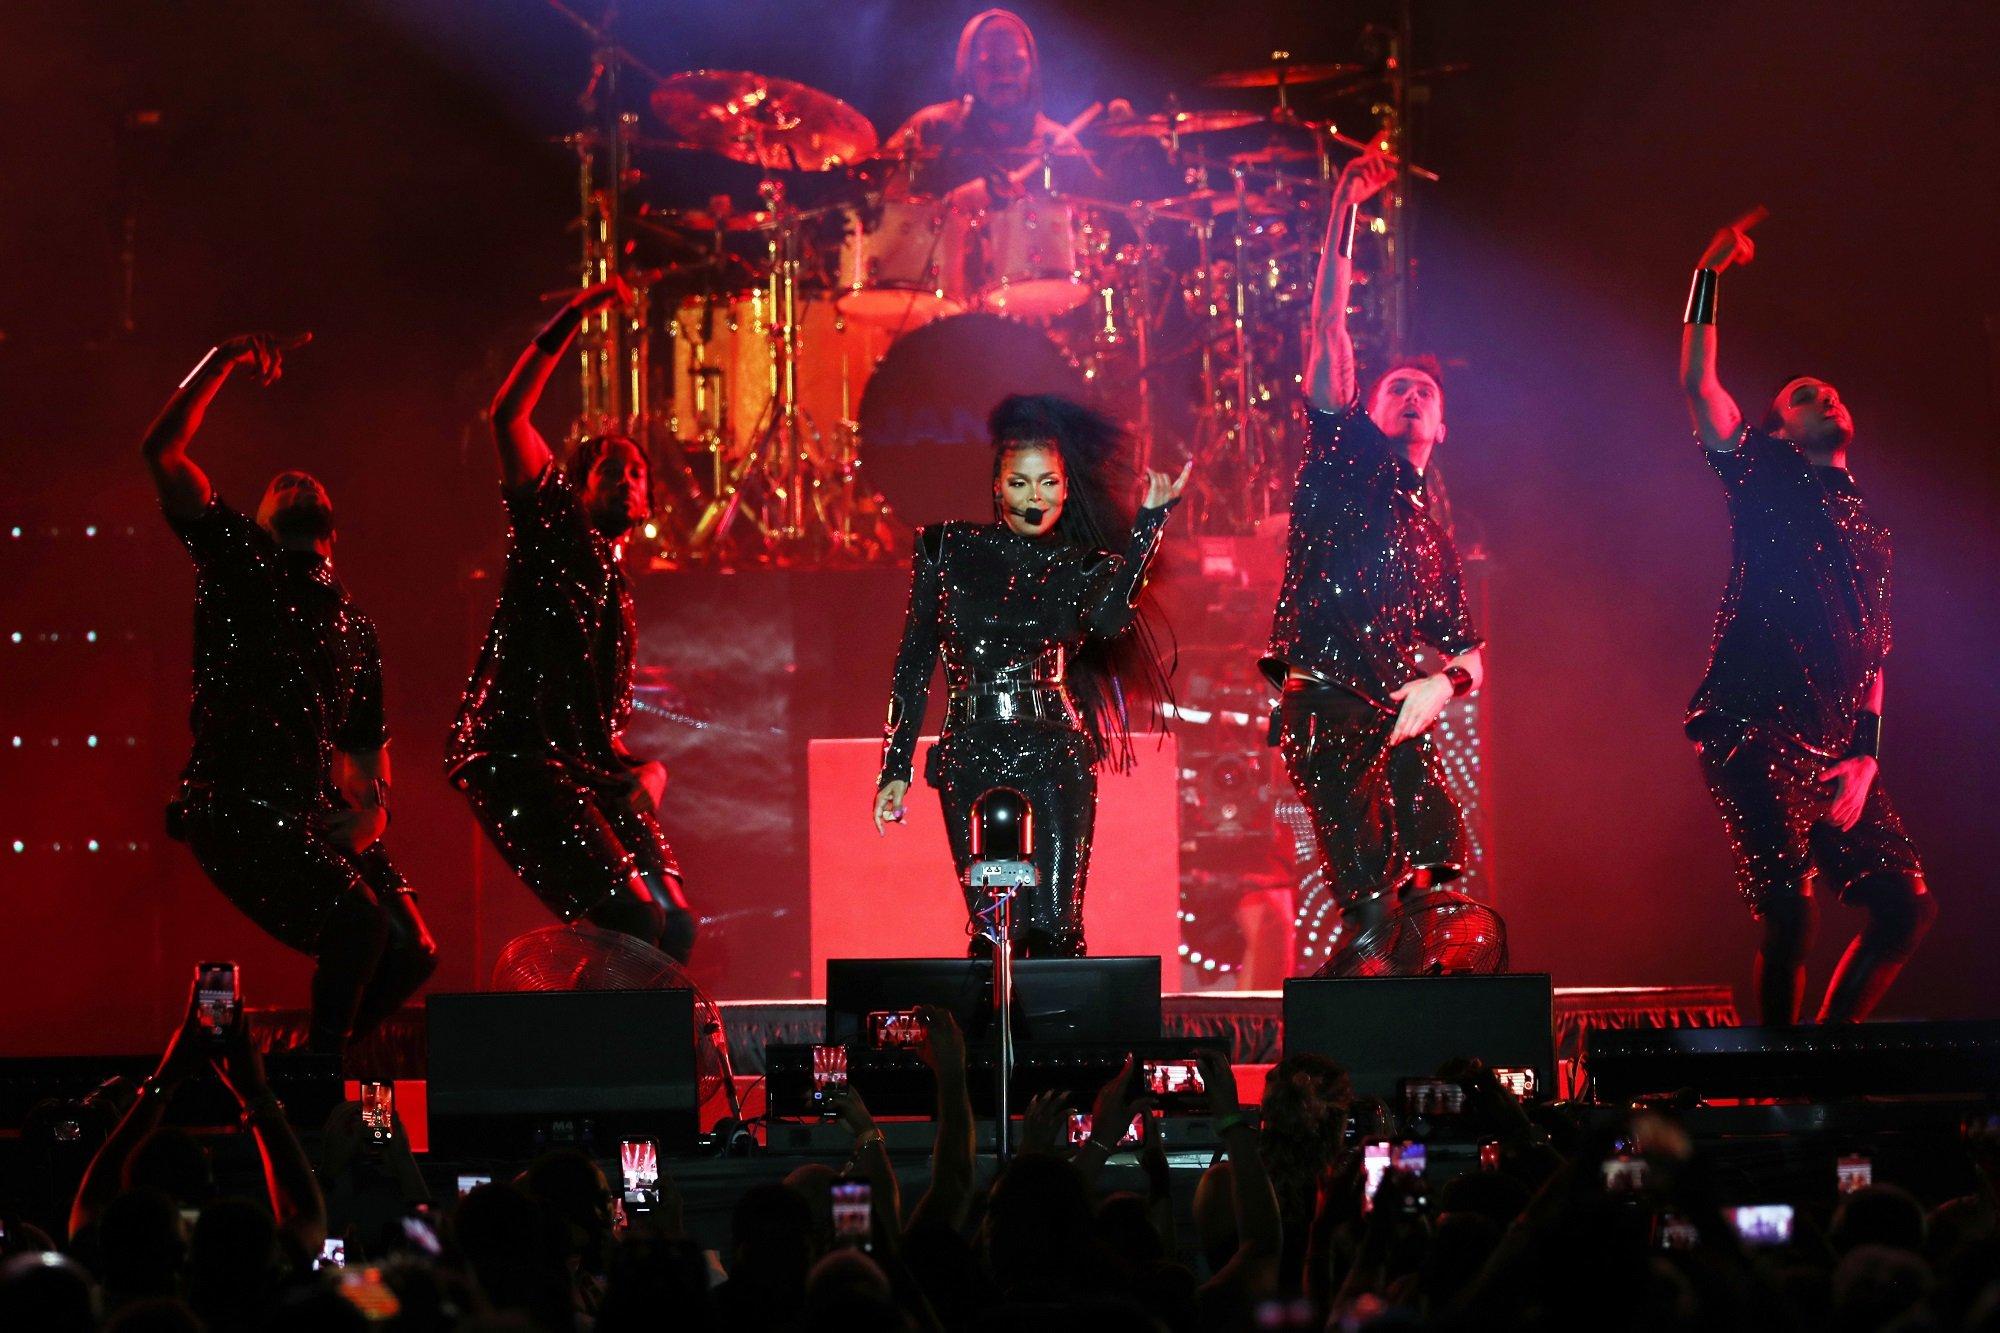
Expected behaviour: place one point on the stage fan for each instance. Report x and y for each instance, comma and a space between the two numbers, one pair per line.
1431, 934
580, 956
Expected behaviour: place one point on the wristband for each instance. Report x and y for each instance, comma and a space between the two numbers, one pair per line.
1701, 297
1234, 1120
555, 334
869, 1138
1461, 680
200, 366
1344, 246
1867, 740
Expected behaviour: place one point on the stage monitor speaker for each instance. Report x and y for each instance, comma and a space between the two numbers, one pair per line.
1382, 1029
1941, 1059
1106, 1000
514, 1072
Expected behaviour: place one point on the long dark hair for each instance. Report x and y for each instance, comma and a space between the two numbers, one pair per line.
1105, 677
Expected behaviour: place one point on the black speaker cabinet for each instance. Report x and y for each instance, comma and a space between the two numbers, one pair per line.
1382, 1029
1105, 999
513, 1072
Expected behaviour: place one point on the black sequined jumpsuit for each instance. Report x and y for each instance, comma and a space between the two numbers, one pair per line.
1370, 577
537, 746
1006, 613
287, 671
1800, 639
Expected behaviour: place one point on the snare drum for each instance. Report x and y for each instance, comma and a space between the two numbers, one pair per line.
1030, 266
899, 263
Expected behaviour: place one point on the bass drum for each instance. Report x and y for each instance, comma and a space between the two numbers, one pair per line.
924, 444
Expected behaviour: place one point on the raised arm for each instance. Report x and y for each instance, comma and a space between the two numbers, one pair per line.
184, 489
524, 454
1253, 1269
289, 1184
1330, 382
1717, 418
1114, 601
955, 1150
186, 1056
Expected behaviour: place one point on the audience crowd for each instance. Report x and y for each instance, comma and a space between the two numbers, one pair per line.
1562, 1226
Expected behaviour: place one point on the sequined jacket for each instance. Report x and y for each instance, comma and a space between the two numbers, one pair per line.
1370, 575
287, 669
1803, 628
1000, 608
553, 683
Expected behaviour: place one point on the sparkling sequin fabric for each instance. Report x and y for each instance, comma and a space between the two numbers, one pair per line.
1005, 611
286, 669
554, 680
1369, 575
1803, 628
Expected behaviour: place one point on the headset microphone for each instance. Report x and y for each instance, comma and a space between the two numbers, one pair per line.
1033, 517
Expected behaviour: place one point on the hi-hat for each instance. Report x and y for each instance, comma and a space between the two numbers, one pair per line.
1279, 72
1180, 122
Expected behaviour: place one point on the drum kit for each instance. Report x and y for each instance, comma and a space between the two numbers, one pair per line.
811, 375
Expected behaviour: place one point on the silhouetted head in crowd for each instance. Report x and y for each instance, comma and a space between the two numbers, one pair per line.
1306, 1098
1039, 1229
45, 1291
813, 1182
574, 1188
1460, 1245
1876, 1285
649, 1274
173, 1160
946, 1266
1125, 1227
771, 1240
142, 1245
1494, 1195
1878, 1215
234, 1264
517, 1251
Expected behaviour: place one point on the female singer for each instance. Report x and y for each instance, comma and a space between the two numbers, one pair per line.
1039, 626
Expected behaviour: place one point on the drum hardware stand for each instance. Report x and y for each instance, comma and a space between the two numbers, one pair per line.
781, 453
996, 923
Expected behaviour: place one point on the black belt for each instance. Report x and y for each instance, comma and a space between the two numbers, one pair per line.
1317, 700
990, 703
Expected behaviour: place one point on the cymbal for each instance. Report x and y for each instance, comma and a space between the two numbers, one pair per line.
1272, 156
1282, 72
772, 123
1201, 205
1181, 122
681, 222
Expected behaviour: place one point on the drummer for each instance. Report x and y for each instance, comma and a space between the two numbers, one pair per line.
981, 146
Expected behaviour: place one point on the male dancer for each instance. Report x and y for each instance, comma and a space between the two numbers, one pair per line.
538, 746
285, 796
1370, 576
1788, 720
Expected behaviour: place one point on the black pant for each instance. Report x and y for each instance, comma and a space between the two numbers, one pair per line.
1051, 765
350, 911
1382, 813
1773, 806
584, 851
